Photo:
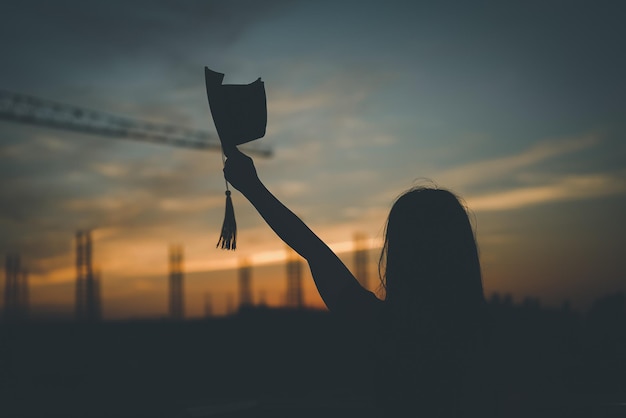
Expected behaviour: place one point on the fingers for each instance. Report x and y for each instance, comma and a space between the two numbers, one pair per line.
236, 156
229, 150
239, 171
237, 161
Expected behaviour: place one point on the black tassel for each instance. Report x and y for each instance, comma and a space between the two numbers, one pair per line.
228, 239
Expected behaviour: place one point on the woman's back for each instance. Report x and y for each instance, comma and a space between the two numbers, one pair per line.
434, 366
431, 369
429, 332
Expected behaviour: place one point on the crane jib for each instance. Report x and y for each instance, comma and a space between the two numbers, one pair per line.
31, 110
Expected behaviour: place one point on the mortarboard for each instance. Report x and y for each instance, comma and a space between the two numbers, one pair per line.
239, 112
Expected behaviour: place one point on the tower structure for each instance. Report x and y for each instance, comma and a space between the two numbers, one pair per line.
15, 289
230, 308
295, 297
176, 285
208, 305
245, 284
88, 305
361, 259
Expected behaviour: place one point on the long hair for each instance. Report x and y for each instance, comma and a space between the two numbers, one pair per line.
430, 272
430, 257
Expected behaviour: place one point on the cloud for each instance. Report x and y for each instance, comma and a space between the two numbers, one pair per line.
111, 169
290, 188
103, 203
507, 166
286, 102
49, 193
95, 33
520, 180
571, 187
191, 204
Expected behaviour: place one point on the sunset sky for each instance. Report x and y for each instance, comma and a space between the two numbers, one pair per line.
520, 110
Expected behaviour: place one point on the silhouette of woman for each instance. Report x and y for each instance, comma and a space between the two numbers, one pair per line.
429, 330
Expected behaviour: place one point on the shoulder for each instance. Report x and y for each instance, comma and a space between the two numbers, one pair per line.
357, 303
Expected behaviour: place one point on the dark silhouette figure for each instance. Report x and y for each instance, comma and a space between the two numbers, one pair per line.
428, 334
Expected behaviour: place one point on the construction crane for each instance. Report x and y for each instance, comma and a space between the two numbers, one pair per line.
31, 110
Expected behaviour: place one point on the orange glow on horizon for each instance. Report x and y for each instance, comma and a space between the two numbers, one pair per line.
135, 285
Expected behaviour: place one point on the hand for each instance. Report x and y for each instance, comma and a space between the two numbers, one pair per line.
239, 171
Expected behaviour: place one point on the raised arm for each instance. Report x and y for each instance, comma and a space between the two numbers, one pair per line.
331, 276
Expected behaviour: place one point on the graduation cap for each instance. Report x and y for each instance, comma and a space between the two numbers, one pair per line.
240, 115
